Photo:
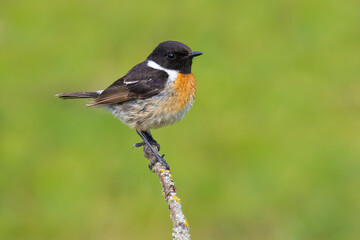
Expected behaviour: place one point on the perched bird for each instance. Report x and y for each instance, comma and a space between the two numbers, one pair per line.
155, 93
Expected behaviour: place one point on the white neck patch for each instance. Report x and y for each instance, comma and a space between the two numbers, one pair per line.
172, 73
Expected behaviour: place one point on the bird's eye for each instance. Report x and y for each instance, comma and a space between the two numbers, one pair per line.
171, 56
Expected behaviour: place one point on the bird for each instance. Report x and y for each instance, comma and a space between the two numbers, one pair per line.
154, 93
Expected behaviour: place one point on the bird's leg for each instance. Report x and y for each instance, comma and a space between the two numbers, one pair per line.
151, 140
159, 158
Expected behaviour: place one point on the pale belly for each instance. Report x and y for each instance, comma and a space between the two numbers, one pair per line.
151, 113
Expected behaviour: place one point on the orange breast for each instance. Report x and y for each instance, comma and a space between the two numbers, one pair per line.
185, 88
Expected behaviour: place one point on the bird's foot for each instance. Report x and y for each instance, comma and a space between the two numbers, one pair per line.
149, 141
161, 160
152, 142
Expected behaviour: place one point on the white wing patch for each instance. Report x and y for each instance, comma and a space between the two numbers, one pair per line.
130, 82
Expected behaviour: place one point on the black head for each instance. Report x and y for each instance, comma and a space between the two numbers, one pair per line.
174, 55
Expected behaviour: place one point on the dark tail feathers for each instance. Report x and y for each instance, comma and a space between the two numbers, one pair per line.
74, 95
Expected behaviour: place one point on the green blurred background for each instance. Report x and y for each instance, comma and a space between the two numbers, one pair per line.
270, 150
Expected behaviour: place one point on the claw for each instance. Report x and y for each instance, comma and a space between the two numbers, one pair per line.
138, 145
151, 166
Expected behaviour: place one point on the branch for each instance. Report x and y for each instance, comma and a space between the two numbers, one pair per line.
181, 225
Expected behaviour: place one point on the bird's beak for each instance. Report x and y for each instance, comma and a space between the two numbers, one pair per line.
193, 54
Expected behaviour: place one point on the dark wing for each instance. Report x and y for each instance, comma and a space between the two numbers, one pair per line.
140, 82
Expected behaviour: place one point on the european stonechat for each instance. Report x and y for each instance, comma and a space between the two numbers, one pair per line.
155, 93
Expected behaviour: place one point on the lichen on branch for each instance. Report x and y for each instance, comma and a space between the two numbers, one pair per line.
180, 224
